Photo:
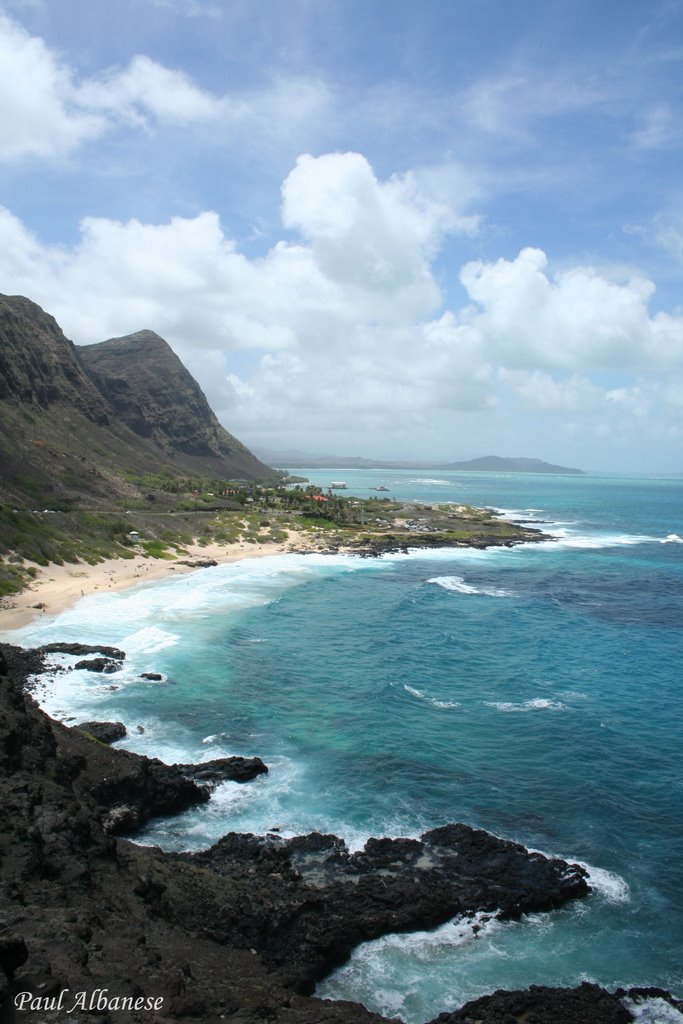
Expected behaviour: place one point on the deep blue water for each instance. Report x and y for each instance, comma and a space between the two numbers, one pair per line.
534, 691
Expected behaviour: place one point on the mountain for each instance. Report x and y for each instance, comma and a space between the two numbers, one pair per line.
75, 420
151, 392
496, 464
296, 459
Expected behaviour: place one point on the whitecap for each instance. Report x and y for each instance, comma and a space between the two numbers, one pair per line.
395, 966
421, 695
537, 704
653, 1011
608, 884
564, 538
458, 584
436, 482
149, 640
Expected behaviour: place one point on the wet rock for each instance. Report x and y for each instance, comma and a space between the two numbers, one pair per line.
105, 732
197, 563
587, 1004
312, 901
223, 769
155, 676
62, 647
106, 665
243, 930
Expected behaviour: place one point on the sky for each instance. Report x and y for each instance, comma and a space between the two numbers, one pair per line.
401, 230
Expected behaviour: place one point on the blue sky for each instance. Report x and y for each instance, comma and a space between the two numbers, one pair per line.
435, 230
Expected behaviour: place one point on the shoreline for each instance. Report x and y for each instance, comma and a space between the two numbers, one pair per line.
59, 587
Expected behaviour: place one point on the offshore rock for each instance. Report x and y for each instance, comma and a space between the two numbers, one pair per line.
106, 665
224, 769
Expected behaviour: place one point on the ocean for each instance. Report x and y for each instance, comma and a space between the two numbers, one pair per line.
536, 692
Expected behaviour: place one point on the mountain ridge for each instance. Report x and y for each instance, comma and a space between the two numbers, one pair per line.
75, 421
296, 459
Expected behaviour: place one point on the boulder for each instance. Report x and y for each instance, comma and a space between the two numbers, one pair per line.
106, 665
105, 732
224, 769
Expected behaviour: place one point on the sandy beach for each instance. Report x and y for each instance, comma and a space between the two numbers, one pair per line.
58, 587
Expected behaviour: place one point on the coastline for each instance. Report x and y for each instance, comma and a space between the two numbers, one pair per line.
58, 587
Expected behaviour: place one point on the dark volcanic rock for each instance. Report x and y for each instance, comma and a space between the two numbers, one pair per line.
105, 732
238, 932
587, 1004
118, 781
62, 647
223, 769
106, 665
154, 676
312, 901
90, 911
198, 563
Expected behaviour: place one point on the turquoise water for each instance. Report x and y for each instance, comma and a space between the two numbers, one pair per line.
534, 691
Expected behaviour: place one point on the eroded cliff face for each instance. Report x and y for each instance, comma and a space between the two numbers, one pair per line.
73, 418
39, 367
241, 931
150, 391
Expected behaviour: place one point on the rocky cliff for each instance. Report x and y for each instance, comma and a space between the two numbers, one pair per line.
240, 932
152, 393
73, 419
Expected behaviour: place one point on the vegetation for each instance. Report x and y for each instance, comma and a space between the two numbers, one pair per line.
178, 511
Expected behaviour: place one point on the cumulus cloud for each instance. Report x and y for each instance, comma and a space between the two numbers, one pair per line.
40, 113
341, 326
578, 319
373, 240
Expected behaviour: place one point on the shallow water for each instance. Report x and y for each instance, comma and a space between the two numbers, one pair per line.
534, 691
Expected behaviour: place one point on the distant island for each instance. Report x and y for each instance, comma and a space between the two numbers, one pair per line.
295, 459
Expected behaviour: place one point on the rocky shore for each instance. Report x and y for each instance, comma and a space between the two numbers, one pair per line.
91, 923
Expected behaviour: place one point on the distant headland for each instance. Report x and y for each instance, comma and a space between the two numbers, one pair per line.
295, 459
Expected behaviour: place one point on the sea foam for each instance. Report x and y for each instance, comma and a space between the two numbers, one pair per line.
458, 584
536, 704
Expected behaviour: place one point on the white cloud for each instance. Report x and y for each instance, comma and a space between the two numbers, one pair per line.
145, 88
374, 240
340, 327
48, 111
40, 113
538, 390
579, 319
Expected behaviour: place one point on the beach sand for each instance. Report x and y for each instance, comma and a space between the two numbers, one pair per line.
58, 587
